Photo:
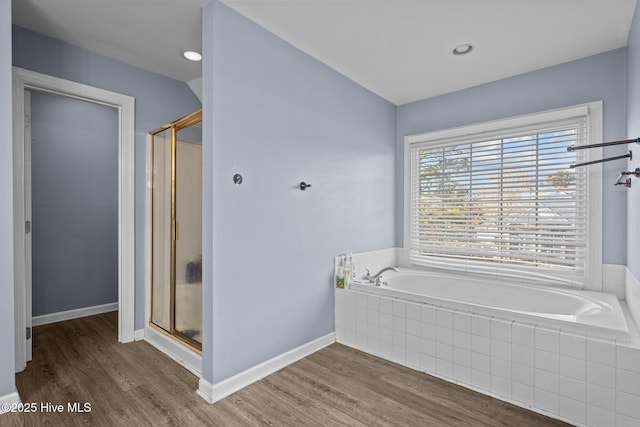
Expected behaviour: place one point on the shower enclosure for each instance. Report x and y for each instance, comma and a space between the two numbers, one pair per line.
176, 229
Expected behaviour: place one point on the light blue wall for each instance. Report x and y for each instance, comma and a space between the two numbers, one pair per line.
74, 153
159, 100
599, 77
207, 191
633, 129
278, 117
7, 349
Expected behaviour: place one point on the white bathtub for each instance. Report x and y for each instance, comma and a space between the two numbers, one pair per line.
592, 313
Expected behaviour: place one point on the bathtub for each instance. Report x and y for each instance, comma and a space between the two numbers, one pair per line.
594, 314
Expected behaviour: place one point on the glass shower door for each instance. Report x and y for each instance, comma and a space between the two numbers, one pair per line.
176, 230
188, 301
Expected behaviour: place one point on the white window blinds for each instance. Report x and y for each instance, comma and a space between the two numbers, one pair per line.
502, 202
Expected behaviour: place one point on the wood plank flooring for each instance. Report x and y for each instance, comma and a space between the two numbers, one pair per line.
135, 385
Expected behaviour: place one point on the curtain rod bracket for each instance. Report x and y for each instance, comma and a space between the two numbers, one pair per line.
627, 182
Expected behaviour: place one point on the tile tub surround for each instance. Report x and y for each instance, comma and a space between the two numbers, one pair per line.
582, 380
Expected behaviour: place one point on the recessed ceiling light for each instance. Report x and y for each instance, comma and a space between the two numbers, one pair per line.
463, 49
191, 55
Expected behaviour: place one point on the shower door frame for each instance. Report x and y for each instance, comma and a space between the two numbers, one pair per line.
182, 123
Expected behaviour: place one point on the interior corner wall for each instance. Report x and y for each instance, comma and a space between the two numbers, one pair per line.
633, 131
159, 100
277, 116
7, 349
598, 77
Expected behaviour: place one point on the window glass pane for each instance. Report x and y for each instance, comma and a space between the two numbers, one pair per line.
507, 201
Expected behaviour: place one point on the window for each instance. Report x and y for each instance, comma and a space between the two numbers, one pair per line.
500, 199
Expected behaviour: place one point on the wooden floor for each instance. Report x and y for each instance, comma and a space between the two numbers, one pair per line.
134, 384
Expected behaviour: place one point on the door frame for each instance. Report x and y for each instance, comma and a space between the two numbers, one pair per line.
31, 80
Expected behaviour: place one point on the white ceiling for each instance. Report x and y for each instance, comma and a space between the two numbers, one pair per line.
399, 49
146, 33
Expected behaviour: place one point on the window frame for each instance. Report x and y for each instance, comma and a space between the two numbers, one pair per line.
593, 111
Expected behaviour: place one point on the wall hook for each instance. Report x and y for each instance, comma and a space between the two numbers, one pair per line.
304, 185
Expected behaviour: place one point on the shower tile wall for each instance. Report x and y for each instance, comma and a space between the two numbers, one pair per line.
572, 377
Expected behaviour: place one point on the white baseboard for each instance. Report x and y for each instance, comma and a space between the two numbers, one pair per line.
214, 392
138, 335
185, 357
73, 314
206, 391
11, 398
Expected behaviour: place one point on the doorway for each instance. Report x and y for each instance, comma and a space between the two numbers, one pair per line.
24, 81
73, 158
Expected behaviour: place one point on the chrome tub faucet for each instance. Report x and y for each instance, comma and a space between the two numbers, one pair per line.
377, 278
